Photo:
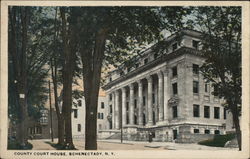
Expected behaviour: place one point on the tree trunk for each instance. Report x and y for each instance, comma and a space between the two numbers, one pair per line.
92, 76
236, 123
68, 69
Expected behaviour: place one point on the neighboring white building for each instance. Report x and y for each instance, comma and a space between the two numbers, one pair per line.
165, 95
78, 116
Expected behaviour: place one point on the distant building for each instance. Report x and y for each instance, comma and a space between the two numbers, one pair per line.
41, 128
164, 94
78, 116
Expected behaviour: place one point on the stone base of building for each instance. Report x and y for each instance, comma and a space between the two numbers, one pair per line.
181, 133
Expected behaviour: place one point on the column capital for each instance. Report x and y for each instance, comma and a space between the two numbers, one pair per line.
159, 74
149, 78
131, 86
139, 83
165, 71
123, 89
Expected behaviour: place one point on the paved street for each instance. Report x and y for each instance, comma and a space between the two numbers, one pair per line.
42, 144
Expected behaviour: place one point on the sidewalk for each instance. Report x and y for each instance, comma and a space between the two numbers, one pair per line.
128, 145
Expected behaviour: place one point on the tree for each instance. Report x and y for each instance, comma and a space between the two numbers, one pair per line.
221, 28
109, 34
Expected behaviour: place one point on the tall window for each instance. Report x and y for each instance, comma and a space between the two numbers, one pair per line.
175, 113
195, 69
102, 105
174, 46
195, 87
110, 79
196, 110
174, 71
110, 109
144, 100
153, 98
175, 88
225, 113
135, 103
110, 97
127, 106
206, 87
195, 44
145, 61
216, 90
79, 127
206, 112
216, 112
75, 113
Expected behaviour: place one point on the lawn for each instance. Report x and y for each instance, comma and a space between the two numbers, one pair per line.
218, 140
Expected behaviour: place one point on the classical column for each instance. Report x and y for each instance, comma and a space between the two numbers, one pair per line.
160, 95
166, 94
113, 110
131, 104
124, 107
140, 103
117, 122
150, 105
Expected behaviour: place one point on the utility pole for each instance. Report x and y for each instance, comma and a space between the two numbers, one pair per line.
51, 126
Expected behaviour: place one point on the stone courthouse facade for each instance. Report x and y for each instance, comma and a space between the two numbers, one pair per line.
165, 95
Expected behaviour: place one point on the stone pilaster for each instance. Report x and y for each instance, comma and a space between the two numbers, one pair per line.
160, 96
166, 94
113, 110
131, 104
150, 105
124, 107
117, 121
140, 103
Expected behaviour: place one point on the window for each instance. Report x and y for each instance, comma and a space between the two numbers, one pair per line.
98, 116
174, 46
145, 61
135, 103
101, 117
196, 110
102, 105
155, 55
127, 106
153, 98
195, 69
206, 87
195, 44
195, 87
175, 88
144, 100
136, 65
110, 97
110, 79
110, 109
196, 131
79, 127
216, 90
207, 131
75, 113
175, 113
216, 112
206, 112
217, 132
174, 71
79, 103
225, 113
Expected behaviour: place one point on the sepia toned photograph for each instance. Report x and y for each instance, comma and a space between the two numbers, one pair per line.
108, 78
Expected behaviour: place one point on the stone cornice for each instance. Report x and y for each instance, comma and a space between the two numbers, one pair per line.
151, 64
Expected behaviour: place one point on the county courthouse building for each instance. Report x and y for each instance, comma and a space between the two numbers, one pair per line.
166, 95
